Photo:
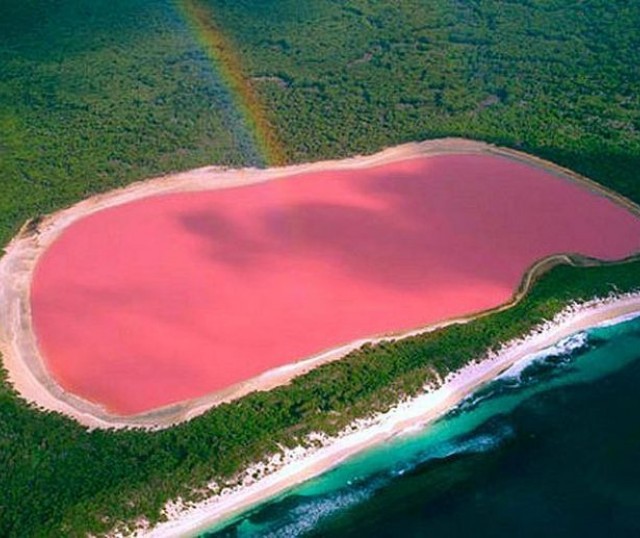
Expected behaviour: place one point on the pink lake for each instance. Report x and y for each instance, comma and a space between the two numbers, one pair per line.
176, 296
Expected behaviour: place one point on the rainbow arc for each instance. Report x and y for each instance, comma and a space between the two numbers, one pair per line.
228, 66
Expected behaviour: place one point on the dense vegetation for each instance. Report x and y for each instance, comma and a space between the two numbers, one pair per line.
95, 94
554, 78
98, 93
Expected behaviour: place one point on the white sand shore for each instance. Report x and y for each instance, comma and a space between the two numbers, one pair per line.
18, 344
296, 466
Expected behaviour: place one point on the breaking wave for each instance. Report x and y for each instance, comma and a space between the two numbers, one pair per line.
534, 368
564, 349
299, 514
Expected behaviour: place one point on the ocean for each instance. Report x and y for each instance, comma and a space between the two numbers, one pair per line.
552, 447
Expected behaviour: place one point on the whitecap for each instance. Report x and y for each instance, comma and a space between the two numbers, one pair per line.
564, 347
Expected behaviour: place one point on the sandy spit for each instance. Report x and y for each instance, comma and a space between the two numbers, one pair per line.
298, 465
18, 344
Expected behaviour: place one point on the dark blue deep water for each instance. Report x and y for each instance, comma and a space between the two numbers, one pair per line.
551, 449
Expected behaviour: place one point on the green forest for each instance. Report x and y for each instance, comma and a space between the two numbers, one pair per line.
557, 79
97, 94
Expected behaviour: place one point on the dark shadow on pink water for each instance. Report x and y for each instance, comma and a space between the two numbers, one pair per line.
174, 297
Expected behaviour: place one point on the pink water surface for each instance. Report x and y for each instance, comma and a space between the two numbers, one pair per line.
173, 297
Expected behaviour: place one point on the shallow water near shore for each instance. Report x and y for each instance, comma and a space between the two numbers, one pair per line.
550, 446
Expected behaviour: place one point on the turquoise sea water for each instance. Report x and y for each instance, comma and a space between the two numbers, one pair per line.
552, 448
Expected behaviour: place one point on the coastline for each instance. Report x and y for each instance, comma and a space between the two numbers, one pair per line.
299, 465
18, 343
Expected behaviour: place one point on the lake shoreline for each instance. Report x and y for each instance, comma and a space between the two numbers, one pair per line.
18, 342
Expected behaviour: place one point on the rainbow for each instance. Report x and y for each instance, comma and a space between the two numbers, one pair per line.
228, 66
